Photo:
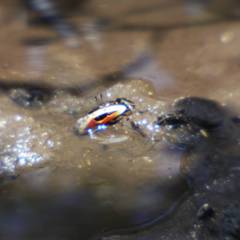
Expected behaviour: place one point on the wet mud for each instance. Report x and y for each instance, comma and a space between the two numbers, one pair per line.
169, 170
122, 175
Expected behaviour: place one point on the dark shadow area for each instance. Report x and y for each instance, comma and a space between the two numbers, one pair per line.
165, 28
56, 15
38, 41
49, 13
160, 6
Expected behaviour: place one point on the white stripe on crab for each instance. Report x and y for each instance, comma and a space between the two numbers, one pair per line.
120, 108
83, 122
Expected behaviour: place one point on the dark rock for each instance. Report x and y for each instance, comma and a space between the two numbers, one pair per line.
175, 120
236, 119
37, 41
231, 223
181, 134
28, 97
205, 212
203, 112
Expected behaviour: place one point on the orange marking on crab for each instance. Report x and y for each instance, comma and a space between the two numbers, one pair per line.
93, 123
109, 118
111, 113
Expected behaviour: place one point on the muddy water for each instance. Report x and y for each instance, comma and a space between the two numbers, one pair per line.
58, 185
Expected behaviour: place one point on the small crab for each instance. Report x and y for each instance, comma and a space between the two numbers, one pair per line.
104, 115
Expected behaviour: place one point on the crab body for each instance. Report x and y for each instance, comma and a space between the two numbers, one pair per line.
104, 115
